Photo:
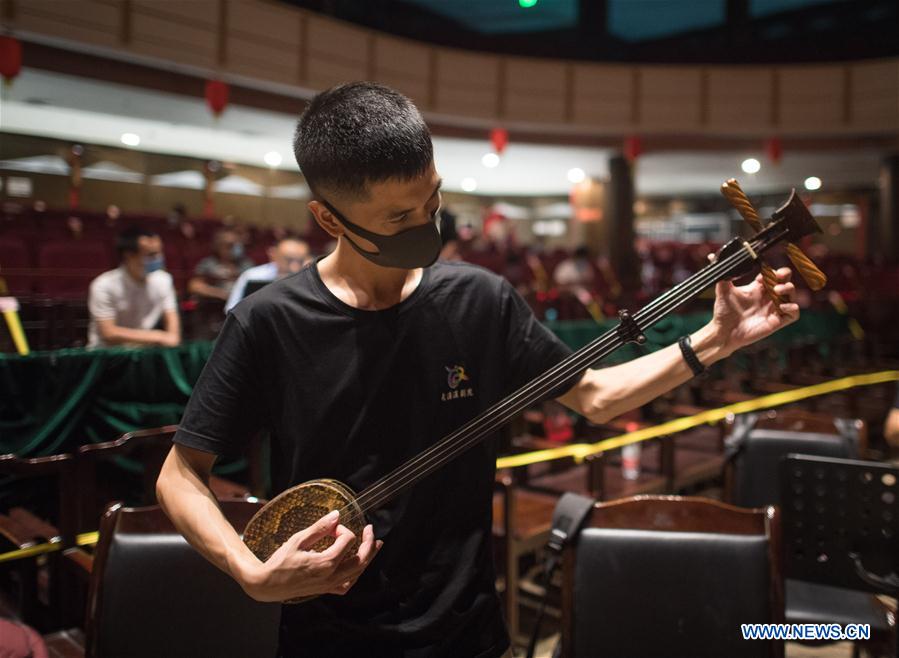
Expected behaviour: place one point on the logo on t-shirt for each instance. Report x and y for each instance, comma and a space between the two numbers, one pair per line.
454, 377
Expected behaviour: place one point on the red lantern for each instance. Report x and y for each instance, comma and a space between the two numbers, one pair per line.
633, 147
10, 58
216, 96
499, 137
774, 149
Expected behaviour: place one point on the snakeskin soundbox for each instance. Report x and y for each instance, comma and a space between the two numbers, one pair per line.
298, 508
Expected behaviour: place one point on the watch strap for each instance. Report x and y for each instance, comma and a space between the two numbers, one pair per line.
686, 349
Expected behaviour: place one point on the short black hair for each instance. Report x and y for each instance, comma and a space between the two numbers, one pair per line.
360, 133
127, 240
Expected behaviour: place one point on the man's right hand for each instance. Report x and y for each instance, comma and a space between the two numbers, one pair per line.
295, 571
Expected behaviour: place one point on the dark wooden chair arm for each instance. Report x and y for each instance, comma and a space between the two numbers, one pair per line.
37, 528
16, 533
30, 467
160, 437
81, 560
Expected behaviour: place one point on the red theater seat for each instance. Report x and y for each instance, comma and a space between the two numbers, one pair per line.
14, 260
258, 253
67, 268
193, 251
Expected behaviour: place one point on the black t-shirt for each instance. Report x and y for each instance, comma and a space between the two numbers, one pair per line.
351, 394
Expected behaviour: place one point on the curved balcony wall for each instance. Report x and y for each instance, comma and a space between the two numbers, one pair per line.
297, 52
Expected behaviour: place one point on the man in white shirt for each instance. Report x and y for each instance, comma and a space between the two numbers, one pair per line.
127, 303
288, 256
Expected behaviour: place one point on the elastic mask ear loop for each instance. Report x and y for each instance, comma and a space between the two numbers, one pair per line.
355, 228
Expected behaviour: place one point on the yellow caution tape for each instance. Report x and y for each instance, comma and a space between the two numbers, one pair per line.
579, 451
9, 306
84, 539
15, 329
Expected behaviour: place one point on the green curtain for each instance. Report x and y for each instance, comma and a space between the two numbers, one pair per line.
51, 402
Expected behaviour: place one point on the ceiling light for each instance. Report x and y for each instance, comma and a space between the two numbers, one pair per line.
469, 184
526, 4
576, 175
130, 139
272, 158
751, 165
490, 160
813, 183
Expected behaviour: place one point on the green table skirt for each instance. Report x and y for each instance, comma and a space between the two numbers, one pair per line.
51, 402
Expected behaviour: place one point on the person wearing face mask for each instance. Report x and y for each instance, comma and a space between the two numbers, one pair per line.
128, 304
286, 257
369, 356
215, 275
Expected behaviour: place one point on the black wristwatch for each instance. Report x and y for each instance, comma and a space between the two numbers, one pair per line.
686, 348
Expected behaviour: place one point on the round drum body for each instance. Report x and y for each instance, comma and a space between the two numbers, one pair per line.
296, 509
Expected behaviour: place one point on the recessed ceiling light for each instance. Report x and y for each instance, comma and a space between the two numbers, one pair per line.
272, 158
469, 184
490, 160
576, 175
813, 183
751, 165
130, 139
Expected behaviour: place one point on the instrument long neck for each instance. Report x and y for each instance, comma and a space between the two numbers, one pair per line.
482, 426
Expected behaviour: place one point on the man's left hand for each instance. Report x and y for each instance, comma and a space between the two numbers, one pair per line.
746, 314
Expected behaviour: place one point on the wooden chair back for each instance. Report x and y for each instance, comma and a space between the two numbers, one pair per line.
151, 594
800, 420
640, 607
22, 528
150, 446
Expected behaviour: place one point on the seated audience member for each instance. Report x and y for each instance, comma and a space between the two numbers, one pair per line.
576, 271
75, 228
215, 275
288, 256
126, 304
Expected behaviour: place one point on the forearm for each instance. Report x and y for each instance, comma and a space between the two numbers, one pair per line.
203, 289
607, 393
115, 335
173, 327
193, 509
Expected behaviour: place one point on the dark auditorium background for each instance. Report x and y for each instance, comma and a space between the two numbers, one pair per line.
582, 146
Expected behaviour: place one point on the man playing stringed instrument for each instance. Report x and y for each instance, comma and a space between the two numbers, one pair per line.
366, 358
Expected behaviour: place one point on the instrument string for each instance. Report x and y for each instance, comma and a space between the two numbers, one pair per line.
481, 426
478, 428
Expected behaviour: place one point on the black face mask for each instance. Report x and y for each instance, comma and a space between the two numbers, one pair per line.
415, 247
